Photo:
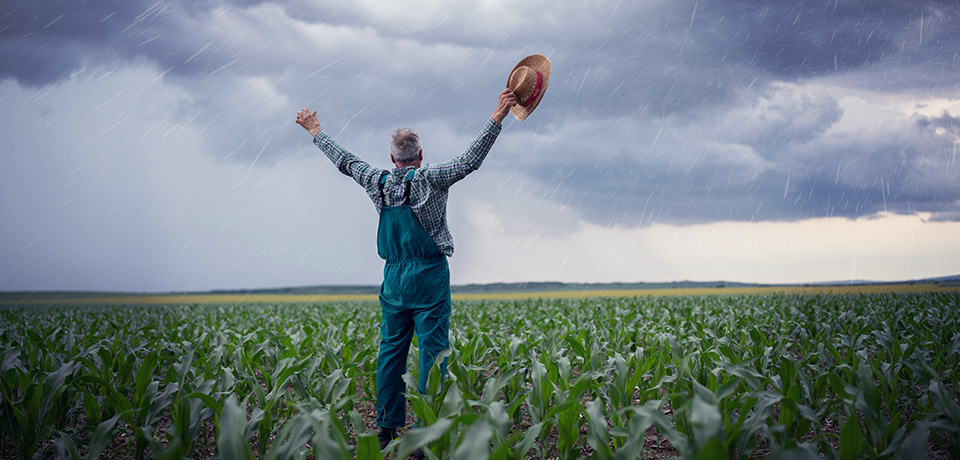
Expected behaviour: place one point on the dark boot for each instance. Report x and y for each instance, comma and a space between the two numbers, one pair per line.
385, 435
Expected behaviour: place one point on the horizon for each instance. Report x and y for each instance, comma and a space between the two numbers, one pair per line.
152, 147
522, 285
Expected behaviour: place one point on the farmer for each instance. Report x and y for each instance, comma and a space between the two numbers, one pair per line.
414, 239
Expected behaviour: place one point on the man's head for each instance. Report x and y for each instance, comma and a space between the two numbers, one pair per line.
405, 148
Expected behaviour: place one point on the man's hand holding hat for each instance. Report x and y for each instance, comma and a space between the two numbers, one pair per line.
507, 100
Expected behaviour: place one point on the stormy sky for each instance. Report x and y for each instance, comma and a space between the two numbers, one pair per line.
151, 145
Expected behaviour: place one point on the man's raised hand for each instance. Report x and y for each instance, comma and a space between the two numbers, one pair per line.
308, 121
507, 100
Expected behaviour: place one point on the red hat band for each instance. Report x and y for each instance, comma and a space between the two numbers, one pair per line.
536, 91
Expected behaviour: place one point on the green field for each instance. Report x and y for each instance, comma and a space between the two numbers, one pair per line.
741, 375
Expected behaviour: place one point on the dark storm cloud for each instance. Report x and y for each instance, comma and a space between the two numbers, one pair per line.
709, 81
805, 38
886, 178
687, 55
45, 41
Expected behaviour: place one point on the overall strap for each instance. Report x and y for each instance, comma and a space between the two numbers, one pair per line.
406, 193
383, 180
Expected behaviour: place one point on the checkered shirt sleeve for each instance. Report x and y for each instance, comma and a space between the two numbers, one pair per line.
348, 163
443, 175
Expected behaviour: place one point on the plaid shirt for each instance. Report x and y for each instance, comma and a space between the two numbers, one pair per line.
430, 184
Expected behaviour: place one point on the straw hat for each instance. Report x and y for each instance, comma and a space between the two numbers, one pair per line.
528, 80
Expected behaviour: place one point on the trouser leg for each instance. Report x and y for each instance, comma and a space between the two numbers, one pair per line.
396, 331
433, 331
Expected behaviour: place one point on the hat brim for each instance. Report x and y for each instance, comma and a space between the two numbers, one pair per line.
541, 64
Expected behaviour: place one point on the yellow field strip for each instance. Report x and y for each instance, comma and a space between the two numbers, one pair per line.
182, 299
766, 290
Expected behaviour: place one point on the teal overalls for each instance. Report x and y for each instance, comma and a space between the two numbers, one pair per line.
414, 297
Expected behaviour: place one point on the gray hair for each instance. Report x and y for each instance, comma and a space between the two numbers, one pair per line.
405, 145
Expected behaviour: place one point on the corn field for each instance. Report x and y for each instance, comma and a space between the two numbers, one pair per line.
790, 376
